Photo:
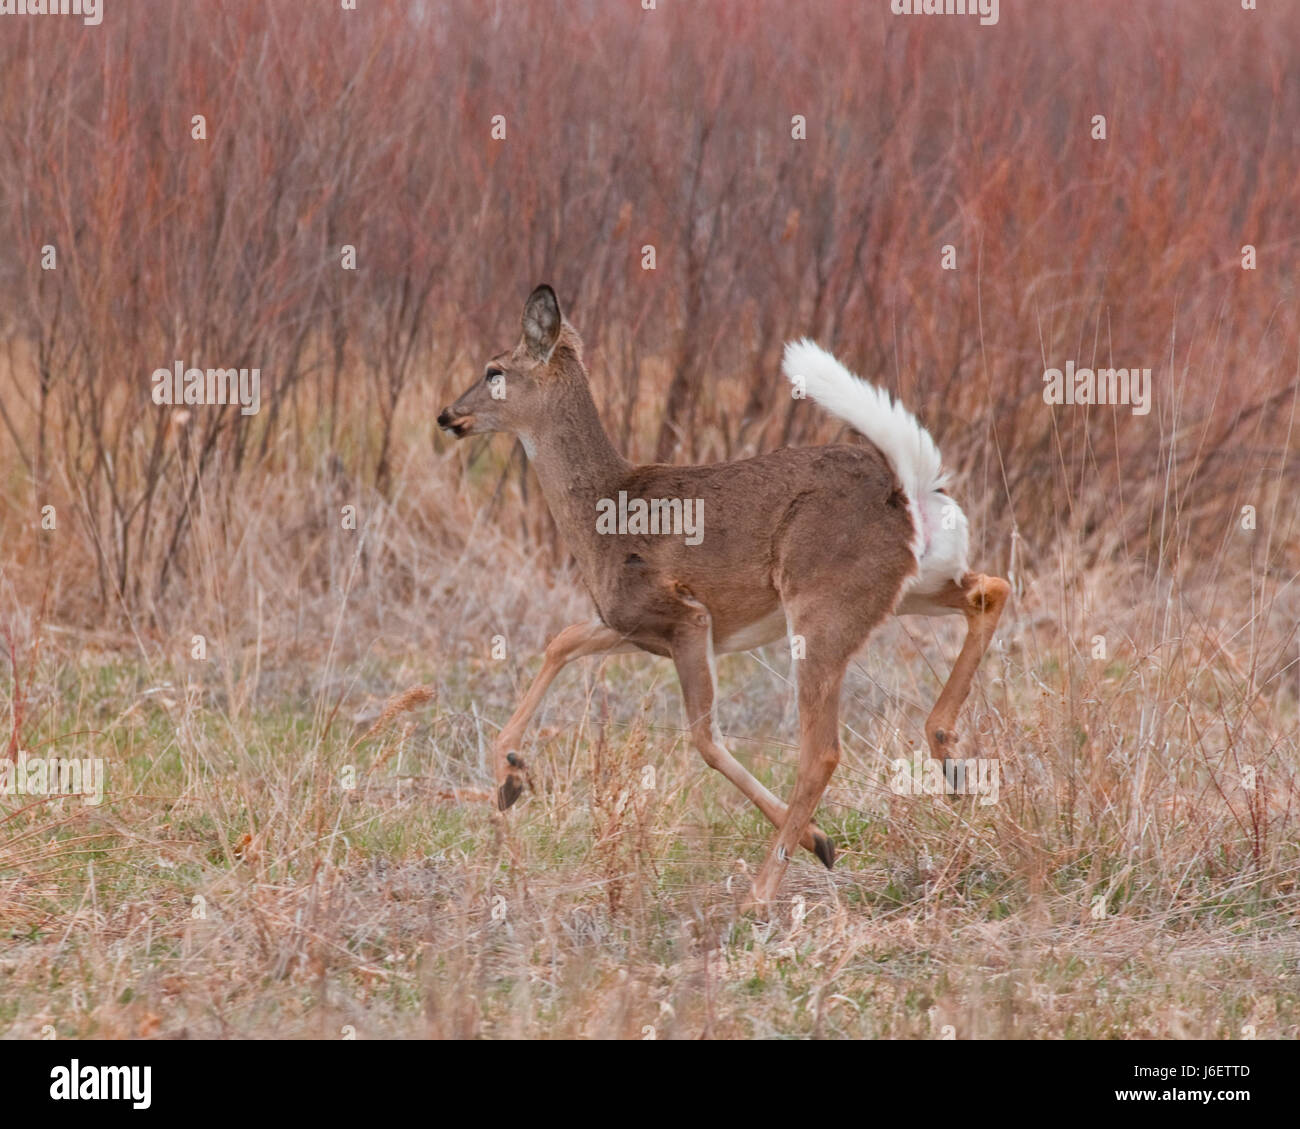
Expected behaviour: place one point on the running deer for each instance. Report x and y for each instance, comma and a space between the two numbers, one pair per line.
820, 543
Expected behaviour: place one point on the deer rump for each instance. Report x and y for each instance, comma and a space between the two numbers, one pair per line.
941, 539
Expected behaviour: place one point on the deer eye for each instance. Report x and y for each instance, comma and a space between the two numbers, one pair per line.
492, 373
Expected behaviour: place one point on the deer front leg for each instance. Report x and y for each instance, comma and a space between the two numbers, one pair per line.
691, 655
819, 754
573, 642
981, 600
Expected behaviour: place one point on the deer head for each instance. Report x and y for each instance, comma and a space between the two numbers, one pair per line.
520, 386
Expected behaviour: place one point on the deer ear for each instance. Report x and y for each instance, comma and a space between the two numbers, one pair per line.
541, 322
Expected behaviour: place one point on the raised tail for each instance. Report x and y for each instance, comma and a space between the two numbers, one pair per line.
940, 543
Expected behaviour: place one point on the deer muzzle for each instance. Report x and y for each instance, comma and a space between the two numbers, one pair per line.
458, 425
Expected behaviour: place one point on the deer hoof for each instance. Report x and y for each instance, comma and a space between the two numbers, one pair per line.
509, 792
824, 849
943, 744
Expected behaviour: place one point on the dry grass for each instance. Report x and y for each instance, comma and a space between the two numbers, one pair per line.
295, 837
606, 902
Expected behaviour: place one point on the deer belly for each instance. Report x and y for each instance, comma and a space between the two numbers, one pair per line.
762, 631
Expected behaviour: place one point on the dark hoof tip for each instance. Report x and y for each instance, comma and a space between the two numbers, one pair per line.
825, 850
509, 792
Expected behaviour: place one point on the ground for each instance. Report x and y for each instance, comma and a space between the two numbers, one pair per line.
268, 861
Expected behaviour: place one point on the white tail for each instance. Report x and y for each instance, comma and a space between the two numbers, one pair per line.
940, 544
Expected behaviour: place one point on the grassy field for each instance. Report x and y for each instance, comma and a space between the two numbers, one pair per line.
264, 864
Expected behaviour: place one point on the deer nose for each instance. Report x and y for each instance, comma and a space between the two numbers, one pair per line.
444, 418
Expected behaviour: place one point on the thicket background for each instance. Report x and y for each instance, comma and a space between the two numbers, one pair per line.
624, 128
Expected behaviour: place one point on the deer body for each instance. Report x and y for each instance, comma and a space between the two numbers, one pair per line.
643, 584
820, 543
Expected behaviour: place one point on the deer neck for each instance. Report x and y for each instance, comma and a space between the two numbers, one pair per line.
577, 465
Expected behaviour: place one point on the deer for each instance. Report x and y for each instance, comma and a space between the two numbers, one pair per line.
814, 543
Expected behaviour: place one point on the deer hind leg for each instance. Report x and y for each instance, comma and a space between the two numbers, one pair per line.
981, 600
573, 642
692, 653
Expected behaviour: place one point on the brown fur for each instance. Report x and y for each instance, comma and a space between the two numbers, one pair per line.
814, 539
